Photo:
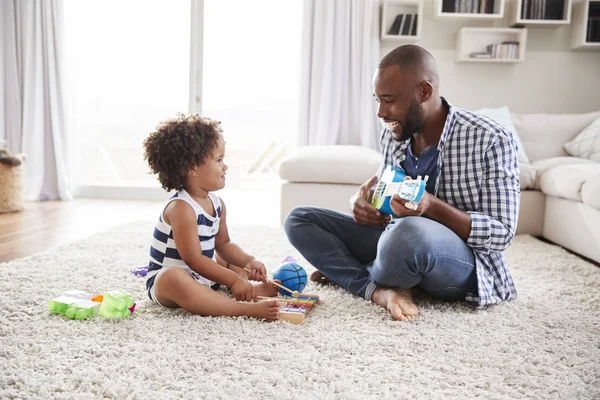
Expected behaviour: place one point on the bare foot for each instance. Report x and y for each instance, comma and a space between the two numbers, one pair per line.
318, 277
397, 301
267, 310
267, 289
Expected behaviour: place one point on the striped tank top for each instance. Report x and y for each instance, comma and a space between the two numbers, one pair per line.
163, 251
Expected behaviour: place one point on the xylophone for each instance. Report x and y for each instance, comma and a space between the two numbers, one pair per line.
294, 310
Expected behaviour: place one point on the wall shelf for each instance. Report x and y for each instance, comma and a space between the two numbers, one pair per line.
401, 20
580, 28
509, 45
541, 13
468, 9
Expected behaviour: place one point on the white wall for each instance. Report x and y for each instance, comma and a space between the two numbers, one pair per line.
553, 79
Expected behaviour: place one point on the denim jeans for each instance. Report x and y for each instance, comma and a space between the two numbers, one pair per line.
408, 252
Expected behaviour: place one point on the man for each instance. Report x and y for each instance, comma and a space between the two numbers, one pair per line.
451, 246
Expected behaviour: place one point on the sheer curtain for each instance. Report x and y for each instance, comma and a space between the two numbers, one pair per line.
340, 55
33, 109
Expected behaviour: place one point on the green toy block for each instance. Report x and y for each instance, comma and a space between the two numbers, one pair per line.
116, 304
83, 309
60, 304
74, 304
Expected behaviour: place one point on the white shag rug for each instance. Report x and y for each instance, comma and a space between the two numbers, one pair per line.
546, 344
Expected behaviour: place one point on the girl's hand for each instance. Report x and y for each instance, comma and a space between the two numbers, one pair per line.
258, 272
243, 290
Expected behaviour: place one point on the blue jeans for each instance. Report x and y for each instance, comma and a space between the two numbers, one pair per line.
409, 252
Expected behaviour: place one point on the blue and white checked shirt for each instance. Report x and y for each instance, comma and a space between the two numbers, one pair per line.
479, 174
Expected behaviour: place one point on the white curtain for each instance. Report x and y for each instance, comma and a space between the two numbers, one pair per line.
32, 113
340, 55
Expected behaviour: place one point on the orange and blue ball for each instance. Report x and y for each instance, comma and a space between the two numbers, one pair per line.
292, 276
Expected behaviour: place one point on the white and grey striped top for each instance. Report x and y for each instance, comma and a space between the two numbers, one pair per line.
163, 251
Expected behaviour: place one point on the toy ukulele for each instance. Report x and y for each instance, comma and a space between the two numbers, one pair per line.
395, 181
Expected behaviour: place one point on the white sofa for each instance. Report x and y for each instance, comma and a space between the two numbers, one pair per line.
560, 194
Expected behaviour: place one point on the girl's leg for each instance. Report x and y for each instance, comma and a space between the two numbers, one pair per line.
266, 289
175, 287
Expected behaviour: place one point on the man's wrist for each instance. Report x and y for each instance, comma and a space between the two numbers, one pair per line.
432, 209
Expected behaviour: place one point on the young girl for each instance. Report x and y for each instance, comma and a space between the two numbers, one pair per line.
187, 154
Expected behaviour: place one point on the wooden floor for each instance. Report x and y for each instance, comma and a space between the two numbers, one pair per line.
43, 225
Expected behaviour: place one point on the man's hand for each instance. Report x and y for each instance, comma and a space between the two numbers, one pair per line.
258, 272
243, 290
363, 212
399, 206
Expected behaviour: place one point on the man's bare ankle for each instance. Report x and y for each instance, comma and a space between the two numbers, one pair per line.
376, 295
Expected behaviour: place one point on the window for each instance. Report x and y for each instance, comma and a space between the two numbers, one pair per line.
251, 75
128, 67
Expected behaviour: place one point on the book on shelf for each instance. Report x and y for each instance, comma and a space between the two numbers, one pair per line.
406, 26
593, 23
504, 51
480, 54
397, 25
593, 30
468, 6
542, 9
413, 32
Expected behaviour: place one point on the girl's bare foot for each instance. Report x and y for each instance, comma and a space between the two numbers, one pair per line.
267, 289
397, 301
267, 310
318, 277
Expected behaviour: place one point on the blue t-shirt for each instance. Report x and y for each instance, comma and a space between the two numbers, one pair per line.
425, 164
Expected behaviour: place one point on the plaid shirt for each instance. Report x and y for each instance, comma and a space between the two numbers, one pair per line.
479, 174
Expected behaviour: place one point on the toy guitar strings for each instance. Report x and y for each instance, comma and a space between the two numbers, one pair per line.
395, 181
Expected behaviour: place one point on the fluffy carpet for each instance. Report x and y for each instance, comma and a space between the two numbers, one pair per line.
543, 345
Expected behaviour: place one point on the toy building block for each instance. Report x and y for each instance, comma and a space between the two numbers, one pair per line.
83, 309
74, 304
60, 304
116, 304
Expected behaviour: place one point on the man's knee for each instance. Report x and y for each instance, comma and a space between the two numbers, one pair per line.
295, 217
402, 251
411, 234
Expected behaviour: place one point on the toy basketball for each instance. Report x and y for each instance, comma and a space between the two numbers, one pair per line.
292, 276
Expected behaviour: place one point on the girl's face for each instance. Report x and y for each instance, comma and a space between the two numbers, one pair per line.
210, 175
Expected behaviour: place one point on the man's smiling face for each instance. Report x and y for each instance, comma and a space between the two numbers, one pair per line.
394, 91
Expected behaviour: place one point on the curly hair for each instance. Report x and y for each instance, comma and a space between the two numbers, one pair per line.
179, 144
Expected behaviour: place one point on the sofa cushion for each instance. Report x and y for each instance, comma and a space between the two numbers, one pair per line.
541, 166
590, 192
567, 181
502, 115
528, 176
353, 165
587, 143
331, 164
544, 135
